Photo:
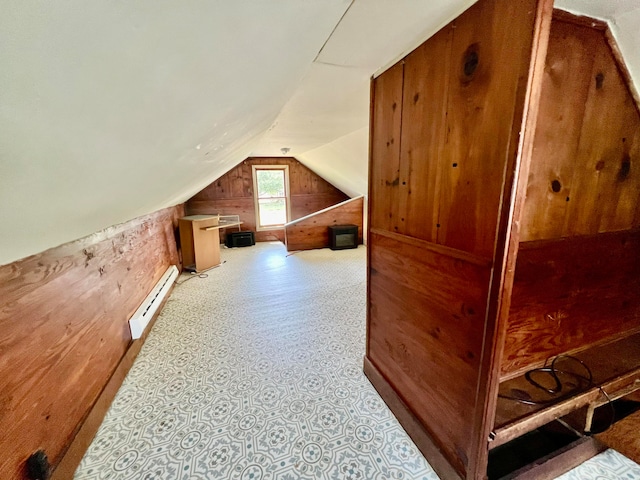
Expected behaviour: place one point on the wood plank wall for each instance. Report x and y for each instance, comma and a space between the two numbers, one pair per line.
444, 126
577, 274
571, 294
63, 318
584, 176
312, 231
232, 194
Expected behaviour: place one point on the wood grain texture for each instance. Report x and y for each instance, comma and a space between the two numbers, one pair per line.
623, 437
615, 367
455, 102
570, 294
63, 314
410, 423
232, 194
508, 237
425, 335
424, 105
462, 98
583, 177
490, 61
582, 20
313, 231
596, 24
384, 171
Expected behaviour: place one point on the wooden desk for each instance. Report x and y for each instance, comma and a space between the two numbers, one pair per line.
200, 240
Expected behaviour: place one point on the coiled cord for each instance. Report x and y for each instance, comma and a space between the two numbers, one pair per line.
558, 390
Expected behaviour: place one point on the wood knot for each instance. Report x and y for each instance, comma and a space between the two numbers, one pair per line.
470, 61
556, 186
599, 80
395, 182
625, 168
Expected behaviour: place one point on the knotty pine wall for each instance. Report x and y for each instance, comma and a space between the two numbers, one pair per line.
313, 231
232, 194
63, 318
445, 122
577, 278
584, 177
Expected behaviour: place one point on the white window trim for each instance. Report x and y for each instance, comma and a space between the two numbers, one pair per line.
254, 168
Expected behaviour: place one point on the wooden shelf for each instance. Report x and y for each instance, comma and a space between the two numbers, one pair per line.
615, 368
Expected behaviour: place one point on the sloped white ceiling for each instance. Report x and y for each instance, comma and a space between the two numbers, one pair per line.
114, 109
110, 110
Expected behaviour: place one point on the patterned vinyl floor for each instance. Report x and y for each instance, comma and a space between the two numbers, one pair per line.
255, 372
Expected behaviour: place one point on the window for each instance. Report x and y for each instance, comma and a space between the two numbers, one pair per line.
271, 187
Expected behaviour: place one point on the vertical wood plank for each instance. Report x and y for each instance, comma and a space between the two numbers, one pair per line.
475, 88
606, 178
485, 86
583, 180
384, 176
421, 156
562, 105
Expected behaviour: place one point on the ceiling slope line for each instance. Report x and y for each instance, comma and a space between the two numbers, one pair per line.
333, 31
331, 64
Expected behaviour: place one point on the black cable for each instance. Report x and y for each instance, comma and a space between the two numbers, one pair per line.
554, 372
558, 387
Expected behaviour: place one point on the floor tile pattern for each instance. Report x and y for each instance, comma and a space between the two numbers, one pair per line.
609, 465
255, 372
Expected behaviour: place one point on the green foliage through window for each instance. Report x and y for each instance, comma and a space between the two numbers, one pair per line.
272, 197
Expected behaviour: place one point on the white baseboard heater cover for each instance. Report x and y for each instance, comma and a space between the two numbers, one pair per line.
143, 315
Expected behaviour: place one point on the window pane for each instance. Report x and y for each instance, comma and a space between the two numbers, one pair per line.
270, 183
272, 211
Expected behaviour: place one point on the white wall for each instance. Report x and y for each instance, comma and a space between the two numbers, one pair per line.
344, 162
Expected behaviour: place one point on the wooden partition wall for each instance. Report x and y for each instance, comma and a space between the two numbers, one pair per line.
445, 124
312, 231
579, 261
504, 227
63, 318
232, 194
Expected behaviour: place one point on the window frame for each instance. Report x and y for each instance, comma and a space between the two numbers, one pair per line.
256, 198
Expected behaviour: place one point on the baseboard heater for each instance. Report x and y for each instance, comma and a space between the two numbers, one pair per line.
143, 315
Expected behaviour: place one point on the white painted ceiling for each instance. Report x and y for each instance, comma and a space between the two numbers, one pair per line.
111, 110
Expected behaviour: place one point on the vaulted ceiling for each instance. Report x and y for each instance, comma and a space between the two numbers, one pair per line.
111, 110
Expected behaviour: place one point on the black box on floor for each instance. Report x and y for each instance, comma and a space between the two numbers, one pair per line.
343, 236
240, 239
